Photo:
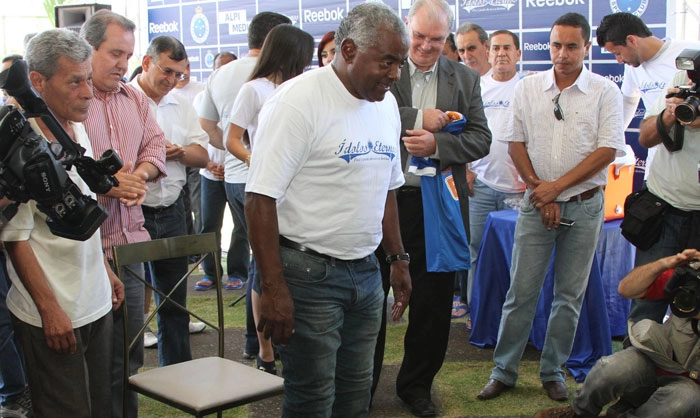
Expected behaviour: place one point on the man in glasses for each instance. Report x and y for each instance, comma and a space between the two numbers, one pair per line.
164, 65
430, 85
567, 129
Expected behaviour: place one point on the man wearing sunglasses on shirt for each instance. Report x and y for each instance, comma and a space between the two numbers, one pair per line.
567, 128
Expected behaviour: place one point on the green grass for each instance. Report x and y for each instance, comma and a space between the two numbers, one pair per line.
457, 384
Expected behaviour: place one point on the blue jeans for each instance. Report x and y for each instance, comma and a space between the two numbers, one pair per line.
173, 323
12, 377
668, 244
629, 372
484, 201
575, 247
328, 361
133, 298
239, 254
214, 203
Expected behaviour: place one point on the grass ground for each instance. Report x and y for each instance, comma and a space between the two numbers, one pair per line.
465, 371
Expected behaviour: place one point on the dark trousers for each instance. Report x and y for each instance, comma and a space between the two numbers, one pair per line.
430, 308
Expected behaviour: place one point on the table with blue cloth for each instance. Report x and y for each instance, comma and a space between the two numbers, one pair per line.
604, 311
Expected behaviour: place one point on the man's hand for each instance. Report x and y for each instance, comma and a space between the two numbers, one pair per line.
173, 152
543, 193
132, 186
680, 259
434, 120
117, 288
277, 313
471, 177
669, 116
419, 142
58, 331
217, 170
551, 215
400, 280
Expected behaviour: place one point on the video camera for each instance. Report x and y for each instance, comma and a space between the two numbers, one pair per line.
683, 290
33, 168
689, 60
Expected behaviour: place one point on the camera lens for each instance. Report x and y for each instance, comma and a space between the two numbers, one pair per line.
685, 302
687, 111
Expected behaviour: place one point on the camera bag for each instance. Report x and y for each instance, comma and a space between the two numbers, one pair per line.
644, 218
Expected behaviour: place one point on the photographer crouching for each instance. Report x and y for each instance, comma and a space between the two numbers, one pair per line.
665, 216
659, 374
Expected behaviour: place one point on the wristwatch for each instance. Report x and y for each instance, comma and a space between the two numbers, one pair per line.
396, 257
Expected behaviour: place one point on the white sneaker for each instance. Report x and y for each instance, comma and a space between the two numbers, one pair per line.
149, 339
197, 327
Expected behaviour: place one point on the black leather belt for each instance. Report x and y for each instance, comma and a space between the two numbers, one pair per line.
585, 195
150, 209
287, 243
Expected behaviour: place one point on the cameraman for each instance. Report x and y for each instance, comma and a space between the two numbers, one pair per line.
674, 178
63, 290
658, 374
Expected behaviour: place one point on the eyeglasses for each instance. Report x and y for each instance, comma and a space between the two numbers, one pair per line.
558, 113
168, 72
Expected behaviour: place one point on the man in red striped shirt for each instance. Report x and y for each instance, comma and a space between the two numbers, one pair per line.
119, 118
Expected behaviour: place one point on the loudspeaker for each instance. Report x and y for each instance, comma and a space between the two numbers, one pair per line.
73, 16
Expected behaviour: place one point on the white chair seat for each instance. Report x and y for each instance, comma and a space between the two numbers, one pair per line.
213, 383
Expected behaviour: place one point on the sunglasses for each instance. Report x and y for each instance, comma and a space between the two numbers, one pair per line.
558, 113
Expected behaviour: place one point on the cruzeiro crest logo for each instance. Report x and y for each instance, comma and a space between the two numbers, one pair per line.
377, 150
199, 26
636, 7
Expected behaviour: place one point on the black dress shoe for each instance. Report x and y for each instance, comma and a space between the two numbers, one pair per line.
493, 389
556, 390
422, 407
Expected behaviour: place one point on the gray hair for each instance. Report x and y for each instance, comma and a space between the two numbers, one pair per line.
44, 50
364, 22
94, 30
166, 44
436, 10
465, 28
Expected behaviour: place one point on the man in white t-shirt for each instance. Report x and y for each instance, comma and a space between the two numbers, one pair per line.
320, 198
495, 180
214, 113
163, 207
63, 291
651, 64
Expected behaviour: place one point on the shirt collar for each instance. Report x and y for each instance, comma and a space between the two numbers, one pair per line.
582, 83
412, 68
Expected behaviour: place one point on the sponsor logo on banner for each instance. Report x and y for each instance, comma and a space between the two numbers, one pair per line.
199, 26
325, 15
636, 7
236, 21
553, 3
487, 5
165, 27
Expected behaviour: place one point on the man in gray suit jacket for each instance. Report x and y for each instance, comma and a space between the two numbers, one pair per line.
429, 86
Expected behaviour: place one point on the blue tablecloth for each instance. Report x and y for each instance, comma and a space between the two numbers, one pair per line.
603, 314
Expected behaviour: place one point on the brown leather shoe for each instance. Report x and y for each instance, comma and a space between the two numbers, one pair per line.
493, 389
556, 390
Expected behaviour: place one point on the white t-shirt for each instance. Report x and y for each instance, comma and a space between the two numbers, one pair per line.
592, 119
74, 270
219, 94
248, 103
190, 91
329, 159
497, 170
674, 176
178, 119
649, 80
